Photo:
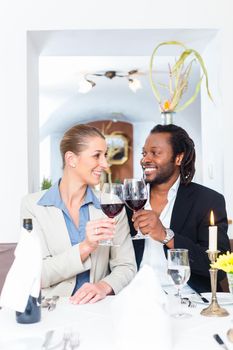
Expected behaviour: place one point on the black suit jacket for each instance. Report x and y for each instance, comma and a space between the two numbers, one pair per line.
190, 223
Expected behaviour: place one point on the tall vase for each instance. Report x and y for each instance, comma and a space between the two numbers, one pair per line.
230, 282
167, 118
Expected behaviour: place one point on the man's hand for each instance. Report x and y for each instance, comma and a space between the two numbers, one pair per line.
91, 293
149, 223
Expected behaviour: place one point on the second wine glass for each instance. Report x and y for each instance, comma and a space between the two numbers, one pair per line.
135, 197
179, 271
111, 201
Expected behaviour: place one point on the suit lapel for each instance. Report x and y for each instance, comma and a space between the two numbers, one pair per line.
182, 206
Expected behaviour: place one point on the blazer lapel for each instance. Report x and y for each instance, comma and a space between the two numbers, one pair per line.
182, 206
54, 223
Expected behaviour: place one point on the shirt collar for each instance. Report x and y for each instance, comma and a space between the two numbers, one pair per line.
171, 193
52, 197
90, 197
173, 190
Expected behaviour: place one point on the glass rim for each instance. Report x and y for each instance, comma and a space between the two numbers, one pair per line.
134, 179
111, 184
178, 250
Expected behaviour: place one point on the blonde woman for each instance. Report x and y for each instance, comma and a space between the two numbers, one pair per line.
70, 223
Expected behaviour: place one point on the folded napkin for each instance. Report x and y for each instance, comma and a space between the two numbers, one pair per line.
24, 276
139, 317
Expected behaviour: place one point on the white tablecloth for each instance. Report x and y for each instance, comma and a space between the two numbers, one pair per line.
94, 324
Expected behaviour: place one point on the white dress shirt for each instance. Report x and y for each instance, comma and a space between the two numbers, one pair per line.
153, 252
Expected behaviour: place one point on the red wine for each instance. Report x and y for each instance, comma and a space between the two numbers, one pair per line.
135, 204
112, 210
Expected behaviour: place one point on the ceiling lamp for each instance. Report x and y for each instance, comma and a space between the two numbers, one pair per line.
86, 84
135, 84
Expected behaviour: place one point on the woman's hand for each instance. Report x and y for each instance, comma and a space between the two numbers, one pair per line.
91, 293
96, 230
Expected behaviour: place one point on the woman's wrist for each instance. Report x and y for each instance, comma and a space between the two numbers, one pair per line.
107, 288
86, 249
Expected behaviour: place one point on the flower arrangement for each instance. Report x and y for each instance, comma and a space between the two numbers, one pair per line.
178, 78
224, 262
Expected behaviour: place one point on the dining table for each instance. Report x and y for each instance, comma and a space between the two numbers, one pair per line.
93, 324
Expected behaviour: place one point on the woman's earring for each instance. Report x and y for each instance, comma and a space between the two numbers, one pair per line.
73, 165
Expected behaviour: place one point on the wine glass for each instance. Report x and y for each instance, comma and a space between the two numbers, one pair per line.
135, 197
111, 202
179, 271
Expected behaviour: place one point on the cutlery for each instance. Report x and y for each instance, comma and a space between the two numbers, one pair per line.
74, 341
202, 298
45, 302
220, 341
53, 303
188, 302
66, 339
47, 340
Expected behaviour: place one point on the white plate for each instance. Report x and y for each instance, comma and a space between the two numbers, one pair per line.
223, 298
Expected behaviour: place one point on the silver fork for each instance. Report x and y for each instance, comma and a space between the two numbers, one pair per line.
188, 302
45, 302
74, 341
47, 339
66, 339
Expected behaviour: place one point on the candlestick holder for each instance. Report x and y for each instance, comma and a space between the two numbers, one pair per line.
214, 309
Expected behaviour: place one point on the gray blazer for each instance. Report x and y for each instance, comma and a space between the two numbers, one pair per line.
61, 260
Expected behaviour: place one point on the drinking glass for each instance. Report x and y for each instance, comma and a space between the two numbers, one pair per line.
111, 201
135, 197
179, 271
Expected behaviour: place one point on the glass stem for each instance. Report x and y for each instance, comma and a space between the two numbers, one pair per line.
180, 301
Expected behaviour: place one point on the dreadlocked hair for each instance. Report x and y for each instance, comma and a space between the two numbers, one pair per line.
181, 143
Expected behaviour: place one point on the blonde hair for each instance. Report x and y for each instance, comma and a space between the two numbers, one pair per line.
76, 139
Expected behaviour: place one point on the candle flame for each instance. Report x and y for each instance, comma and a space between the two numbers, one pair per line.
211, 218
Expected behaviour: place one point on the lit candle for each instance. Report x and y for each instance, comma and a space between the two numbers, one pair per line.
213, 232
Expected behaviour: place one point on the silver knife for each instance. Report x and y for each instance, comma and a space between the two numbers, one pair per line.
220, 341
47, 340
202, 298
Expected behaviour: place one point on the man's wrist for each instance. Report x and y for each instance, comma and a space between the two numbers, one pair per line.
169, 235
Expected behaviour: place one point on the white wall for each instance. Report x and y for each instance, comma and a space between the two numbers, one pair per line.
212, 122
140, 109
56, 161
32, 115
18, 17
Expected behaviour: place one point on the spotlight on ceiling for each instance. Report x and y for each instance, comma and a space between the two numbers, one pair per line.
86, 85
135, 84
